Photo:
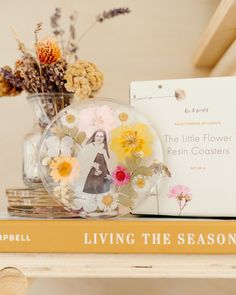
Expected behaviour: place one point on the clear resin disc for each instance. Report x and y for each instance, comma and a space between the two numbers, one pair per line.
100, 158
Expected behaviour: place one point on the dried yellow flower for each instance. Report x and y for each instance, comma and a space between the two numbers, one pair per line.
83, 78
6, 89
48, 51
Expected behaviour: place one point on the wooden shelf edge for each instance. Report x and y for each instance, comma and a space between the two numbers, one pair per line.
218, 35
121, 265
227, 64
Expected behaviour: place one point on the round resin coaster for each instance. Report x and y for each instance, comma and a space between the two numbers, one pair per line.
99, 158
36, 203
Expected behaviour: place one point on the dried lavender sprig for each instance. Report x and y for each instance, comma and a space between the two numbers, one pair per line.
73, 19
37, 30
9, 76
105, 15
57, 30
55, 18
112, 13
72, 47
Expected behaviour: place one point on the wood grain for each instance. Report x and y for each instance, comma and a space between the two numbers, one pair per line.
12, 282
121, 266
227, 64
218, 36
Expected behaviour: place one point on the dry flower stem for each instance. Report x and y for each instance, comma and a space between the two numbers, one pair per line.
71, 47
39, 28
21, 45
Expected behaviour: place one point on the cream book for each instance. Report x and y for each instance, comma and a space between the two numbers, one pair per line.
196, 122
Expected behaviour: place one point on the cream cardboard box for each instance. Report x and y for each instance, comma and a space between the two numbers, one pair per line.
196, 122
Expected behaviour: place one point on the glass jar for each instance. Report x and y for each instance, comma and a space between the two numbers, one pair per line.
31, 176
45, 107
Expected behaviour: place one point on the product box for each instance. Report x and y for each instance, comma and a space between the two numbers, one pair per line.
196, 121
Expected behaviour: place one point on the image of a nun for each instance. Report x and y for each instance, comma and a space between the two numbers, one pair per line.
95, 160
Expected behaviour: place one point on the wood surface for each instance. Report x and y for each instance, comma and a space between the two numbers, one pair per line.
227, 64
218, 35
12, 282
121, 265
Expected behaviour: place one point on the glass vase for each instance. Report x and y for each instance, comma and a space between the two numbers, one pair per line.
45, 107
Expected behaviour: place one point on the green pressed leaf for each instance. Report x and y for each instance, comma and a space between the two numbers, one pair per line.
143, 170
129, 191
161, 168
80, 137
66, 130
130, 164
166, 171
125, 200
59, 132
157, 167
137, 160
75, 149
73, 132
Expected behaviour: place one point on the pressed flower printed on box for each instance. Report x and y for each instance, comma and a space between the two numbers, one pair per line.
95, 164
182, 194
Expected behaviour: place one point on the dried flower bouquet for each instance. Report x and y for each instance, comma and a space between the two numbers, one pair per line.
54, 65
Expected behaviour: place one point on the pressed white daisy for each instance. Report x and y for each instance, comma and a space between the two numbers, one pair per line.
58, 146
78, 191
70, 119
142, 184
124, 116
77, 204
107, 202
89, 204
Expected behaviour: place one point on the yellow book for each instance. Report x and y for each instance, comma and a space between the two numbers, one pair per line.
119, 236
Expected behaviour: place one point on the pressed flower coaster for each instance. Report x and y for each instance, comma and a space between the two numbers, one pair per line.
35, 203
99, 158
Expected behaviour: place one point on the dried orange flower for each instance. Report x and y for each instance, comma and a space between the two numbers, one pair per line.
48, 51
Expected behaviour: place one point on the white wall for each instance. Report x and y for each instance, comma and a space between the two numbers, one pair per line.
156, 41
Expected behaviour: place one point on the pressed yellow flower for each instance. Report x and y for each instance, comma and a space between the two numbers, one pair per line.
64, 169
48, 51
143, 184
123, 117
107, 200
128, 140
140, 182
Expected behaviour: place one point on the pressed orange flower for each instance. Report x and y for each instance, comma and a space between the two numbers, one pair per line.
128, 140
64, 169
48, 51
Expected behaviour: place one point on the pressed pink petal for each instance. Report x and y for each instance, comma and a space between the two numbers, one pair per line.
87, 117
118, 182
177, 190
